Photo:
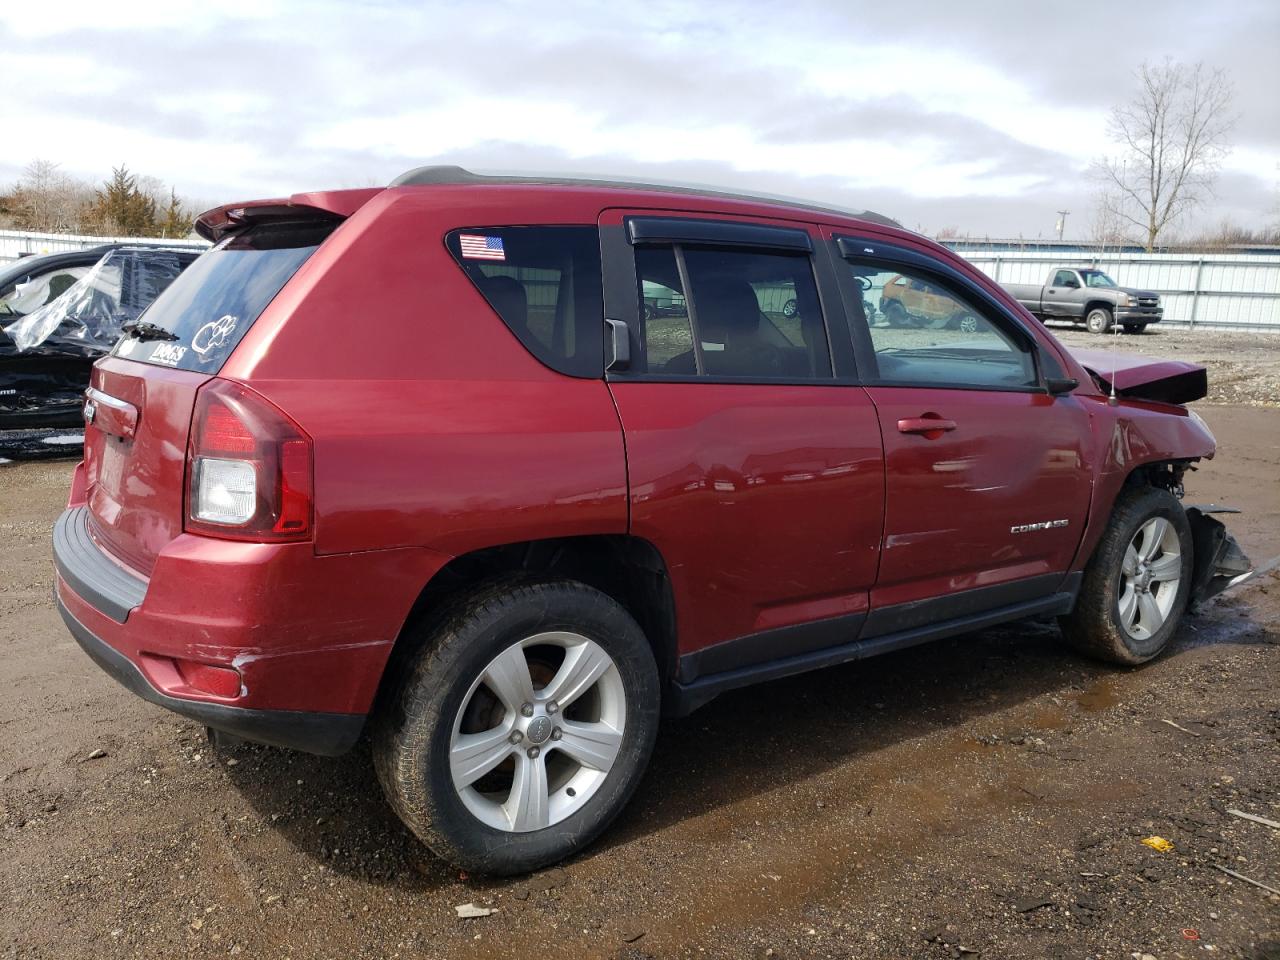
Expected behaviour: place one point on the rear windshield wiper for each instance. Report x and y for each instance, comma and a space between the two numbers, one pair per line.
145, 330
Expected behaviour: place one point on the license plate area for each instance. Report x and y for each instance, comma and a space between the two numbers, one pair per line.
115, 455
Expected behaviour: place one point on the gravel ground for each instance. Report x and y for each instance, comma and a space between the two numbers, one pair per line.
984, 796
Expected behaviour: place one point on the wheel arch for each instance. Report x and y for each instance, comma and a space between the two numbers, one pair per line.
629, 569
1162, 472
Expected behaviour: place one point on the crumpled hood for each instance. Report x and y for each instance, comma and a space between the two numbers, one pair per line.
1144, 378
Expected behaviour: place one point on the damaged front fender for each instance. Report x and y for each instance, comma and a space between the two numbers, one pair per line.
1218, 562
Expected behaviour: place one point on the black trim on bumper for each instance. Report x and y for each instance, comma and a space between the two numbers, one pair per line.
1138, 315
1218, 560
106, 586
326, 734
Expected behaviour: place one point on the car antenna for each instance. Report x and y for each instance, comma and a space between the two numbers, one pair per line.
1115, 329
1112, 400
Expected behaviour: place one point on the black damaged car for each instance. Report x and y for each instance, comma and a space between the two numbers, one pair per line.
60, 312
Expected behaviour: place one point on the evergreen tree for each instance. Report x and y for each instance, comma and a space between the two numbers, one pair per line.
177, 221
121, 208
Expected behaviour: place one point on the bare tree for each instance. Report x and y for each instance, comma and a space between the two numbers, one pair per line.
1229, 235
1105, 226
1173, 138
47, 199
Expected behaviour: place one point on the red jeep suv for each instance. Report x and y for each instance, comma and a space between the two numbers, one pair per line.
417, 461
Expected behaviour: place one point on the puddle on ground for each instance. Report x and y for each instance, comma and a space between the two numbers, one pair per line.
1048, 718
1100, 696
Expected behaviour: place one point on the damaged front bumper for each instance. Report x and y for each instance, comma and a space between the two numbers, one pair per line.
1219, 561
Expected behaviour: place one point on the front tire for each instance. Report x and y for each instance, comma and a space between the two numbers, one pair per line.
1136, 585
522, 727
1134, 327
1098, 320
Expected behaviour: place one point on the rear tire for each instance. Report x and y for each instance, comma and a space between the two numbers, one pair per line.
1098, 320
457, 761
895, 314
1136, 585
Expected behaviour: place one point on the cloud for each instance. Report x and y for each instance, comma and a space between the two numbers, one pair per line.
984, 116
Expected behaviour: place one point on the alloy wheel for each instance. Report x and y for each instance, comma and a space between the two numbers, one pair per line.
1149, 578
538, 732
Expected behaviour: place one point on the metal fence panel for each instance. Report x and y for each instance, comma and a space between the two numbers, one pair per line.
1240, 291
1237, 290
21, 243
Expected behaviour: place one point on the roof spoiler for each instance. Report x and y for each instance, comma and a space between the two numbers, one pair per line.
215, 224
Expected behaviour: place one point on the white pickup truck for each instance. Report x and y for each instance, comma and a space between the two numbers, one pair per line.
1088, 296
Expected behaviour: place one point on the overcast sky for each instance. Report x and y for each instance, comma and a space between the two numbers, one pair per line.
982, 116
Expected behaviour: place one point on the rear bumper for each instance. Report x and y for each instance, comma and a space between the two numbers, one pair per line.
326, 734
304, 637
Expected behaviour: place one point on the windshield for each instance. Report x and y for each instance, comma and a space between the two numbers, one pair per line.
1096, 278
213, 304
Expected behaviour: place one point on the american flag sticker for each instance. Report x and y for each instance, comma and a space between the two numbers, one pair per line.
475, 247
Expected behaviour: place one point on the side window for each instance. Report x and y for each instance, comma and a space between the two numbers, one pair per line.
937, 339
1064, 278
545, 284
666, 331
34, 292
717, 312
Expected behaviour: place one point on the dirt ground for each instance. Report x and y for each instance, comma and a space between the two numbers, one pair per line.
985, 796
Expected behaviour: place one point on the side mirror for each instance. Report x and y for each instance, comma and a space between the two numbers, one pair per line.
1056, 386
1073, 284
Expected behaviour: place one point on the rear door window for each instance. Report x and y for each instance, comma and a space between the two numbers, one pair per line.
755, 315
544, 282
215, 301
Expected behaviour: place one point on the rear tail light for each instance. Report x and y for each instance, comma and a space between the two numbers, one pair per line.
248, 468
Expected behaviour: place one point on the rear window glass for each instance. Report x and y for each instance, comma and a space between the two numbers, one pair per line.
212, 305
545, 284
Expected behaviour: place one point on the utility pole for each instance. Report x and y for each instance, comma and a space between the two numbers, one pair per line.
1062, 222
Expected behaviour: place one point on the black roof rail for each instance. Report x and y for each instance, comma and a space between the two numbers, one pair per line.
446, 174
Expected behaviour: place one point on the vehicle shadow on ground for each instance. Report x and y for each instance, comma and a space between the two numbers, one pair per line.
743, 744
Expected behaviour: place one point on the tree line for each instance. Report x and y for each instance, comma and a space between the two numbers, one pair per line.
47, 200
